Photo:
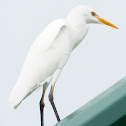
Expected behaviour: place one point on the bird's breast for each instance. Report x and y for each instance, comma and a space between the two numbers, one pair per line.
77, 34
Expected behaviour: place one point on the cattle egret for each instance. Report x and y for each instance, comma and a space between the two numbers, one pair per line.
50, 52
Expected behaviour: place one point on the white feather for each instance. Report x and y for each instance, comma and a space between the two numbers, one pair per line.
34, 70
50, 52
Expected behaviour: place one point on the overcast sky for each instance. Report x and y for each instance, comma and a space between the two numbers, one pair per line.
97, 63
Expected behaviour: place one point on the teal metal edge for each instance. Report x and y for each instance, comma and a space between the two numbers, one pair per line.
104, 110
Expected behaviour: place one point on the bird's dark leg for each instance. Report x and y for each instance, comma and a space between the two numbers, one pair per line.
52, 102
42, 105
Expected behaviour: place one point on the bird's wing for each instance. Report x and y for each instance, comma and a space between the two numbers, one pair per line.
37, 65
46, 38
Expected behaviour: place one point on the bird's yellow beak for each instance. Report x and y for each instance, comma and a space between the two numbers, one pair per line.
104, 21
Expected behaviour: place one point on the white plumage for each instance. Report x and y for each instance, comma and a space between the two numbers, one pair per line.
51, 50
40, 58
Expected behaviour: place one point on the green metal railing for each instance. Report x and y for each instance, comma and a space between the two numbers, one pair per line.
107, 109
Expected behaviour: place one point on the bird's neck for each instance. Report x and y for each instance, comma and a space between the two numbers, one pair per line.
78, 29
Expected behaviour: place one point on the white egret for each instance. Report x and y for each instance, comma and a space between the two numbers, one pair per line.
50, 52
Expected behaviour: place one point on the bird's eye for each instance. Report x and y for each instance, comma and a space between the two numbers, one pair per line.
93, 13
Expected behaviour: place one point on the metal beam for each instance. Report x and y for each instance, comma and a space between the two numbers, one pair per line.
104, 110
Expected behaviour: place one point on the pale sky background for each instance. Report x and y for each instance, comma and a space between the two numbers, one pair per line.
97, 63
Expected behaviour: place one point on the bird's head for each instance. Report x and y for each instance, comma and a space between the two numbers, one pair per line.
90, 16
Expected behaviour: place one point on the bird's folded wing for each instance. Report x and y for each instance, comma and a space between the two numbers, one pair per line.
46, 37
41, 44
